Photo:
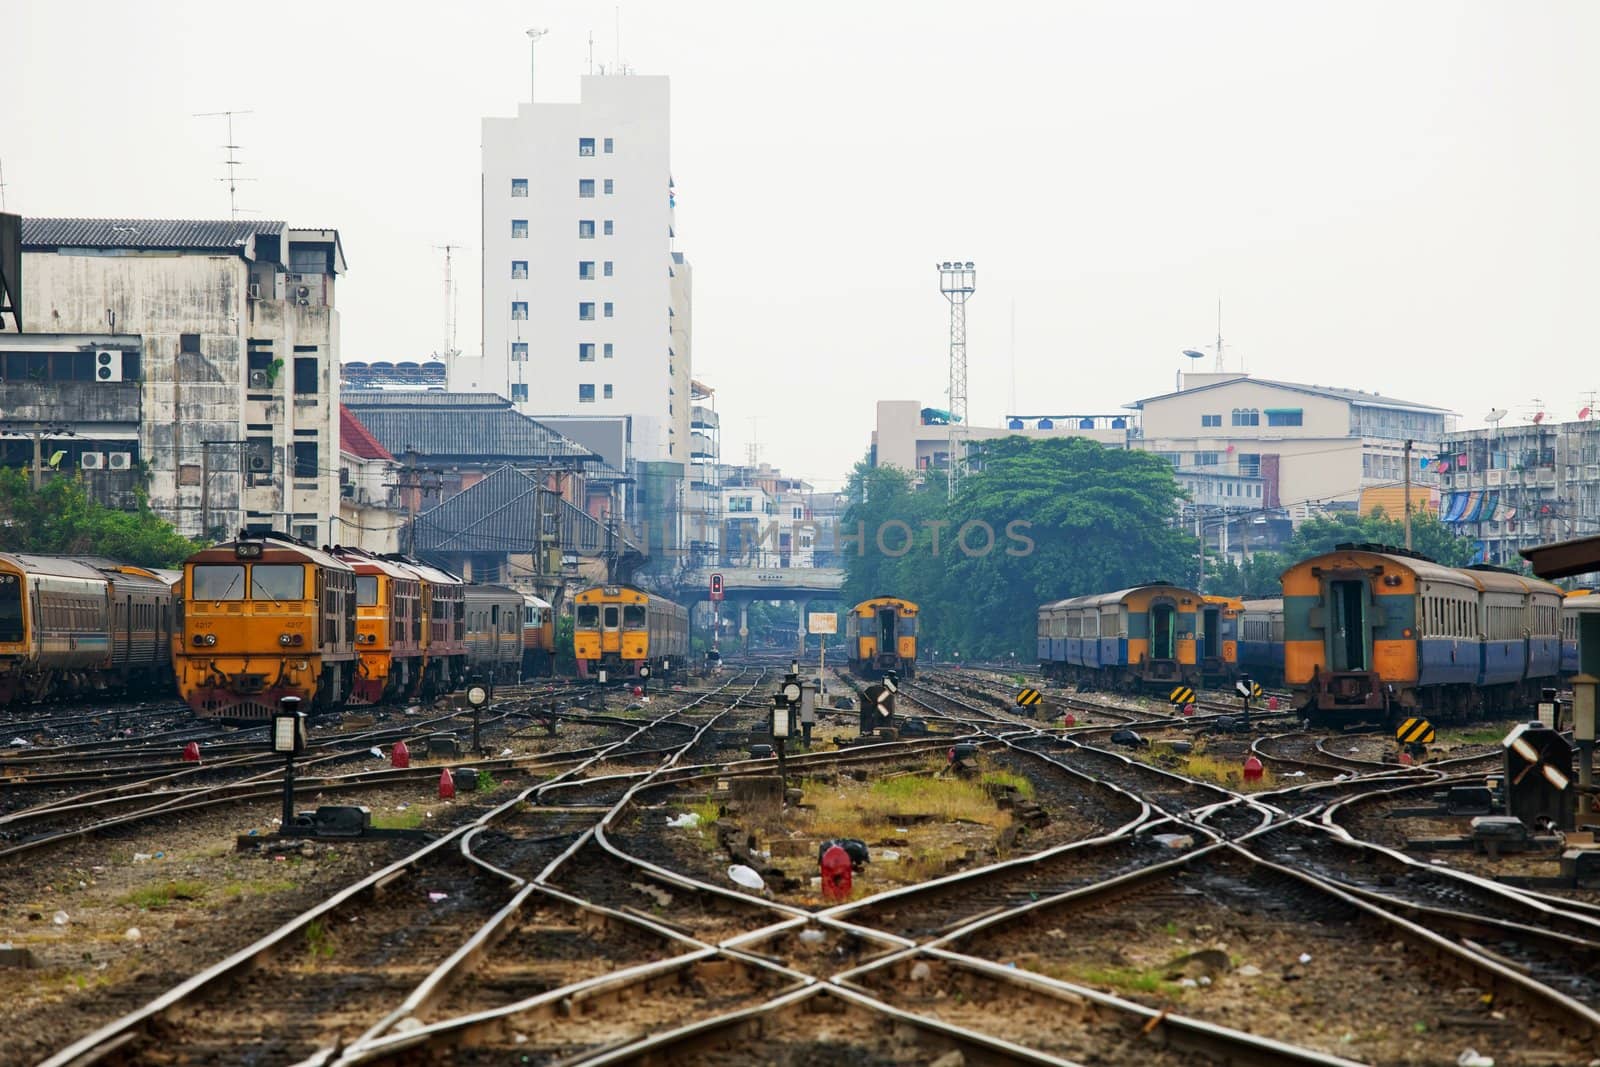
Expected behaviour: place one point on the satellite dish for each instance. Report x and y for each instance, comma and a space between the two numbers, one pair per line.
1192, 354
1495, 415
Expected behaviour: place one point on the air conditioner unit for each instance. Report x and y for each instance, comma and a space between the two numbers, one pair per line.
255, 290
108, 366
258, 457
119, 461
1496, 477
260, 379
92, 461
347, 491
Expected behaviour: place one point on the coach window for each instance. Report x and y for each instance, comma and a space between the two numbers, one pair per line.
633, 616
277, 581
366, 590
210, 581
611, 617
588, 616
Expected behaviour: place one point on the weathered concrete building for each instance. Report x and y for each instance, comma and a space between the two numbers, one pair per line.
239, 357
69, 403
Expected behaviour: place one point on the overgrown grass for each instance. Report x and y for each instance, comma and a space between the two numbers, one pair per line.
1130, 979
160, 896
319, 942
1485, 735
844, 809
1198, 765
1023, 787
487, 783
409, 819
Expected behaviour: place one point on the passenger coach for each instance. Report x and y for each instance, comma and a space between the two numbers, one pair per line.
1141, 638
881, 635
1371, 632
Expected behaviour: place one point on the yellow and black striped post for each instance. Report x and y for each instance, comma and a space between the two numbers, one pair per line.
1028, 698
1181, 696
1414, 732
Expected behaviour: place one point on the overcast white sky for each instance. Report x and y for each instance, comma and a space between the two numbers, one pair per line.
1400, 197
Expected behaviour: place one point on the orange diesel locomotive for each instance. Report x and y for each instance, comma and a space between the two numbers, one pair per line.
264, 617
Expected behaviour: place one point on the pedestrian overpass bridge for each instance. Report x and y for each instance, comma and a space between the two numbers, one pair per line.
741, 585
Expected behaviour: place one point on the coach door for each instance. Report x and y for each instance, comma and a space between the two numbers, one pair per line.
1212, 643
1163, 631
1349, 625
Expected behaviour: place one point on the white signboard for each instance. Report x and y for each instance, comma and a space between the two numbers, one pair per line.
823, 622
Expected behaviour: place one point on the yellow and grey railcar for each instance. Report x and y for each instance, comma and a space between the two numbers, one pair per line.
494, 633
1147, 637
620, 628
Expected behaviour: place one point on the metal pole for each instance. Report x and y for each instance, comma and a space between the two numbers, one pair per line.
38, 459
1408, 493
783, 774
288, 792
205, 488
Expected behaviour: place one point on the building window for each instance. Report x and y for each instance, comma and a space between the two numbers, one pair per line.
586, 188
608, 146
305, 459
519, 187
586, 269
607, 268
1246, 417
1210, 420
608, 350
1250, 464
305, 375
798, 513
586, 311
189, 344
519, 228
586, 394
608, 392
741, 503
1205, 459
610, 187
519, 309
586, 353
586, 228
1285, 417
586, 146
519, 351
608, 228
608, 309
519, 393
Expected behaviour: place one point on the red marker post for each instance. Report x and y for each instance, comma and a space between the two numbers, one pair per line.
836, 874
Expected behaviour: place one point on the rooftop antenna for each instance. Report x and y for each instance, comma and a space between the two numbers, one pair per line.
449, 300
533, 41
2, 185
1585, 415
752, 451
231, 163
591, 51
1013, 354
957, 281
1219, 336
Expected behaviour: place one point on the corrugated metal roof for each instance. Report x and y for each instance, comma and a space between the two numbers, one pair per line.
199, 235
1354, 396
500, 515
459, 427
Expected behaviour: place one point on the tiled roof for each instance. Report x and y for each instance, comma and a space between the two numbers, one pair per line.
356, 439
459, 427
500, 515
194, 235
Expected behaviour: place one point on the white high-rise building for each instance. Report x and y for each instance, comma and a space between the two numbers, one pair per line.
578, 268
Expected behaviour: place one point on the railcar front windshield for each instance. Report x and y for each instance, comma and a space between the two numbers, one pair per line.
366, 590
217, 581
10, 608
277, 581
588, 616
633, 617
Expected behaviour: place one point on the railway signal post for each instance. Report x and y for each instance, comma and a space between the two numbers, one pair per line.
288, 737
477, 697
1583, 731
1246, 689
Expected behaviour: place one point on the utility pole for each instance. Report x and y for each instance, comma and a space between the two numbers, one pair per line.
1408, 493
39, 431
957, 281
1200, 529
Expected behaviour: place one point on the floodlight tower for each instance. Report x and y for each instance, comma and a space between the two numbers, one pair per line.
957, 281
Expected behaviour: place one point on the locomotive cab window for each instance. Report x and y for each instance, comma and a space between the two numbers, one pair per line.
217, 581
10, 608
611, 617
277, 581
366, 590
633, 616
588, 616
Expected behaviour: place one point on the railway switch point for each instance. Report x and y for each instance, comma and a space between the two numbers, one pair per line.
836, 873
1252, 769
466, 779
400, 756
447, 785
191, 752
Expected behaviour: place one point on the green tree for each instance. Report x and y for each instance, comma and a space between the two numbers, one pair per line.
60, 519
1429, 536
1038, 520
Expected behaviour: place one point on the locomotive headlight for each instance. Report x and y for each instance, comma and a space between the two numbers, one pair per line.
205, 639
